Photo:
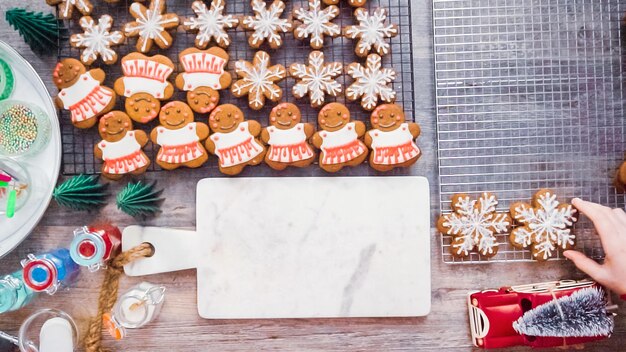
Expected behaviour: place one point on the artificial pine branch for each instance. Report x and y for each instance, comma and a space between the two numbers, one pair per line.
40, 31
82, 192
139, 199
584, 311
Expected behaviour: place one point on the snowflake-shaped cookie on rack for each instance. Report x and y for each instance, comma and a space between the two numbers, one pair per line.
258, 80
371, 82
266, 24
546, 225
151, 25
371, 32
474, 224
353, 3
317, 79
210, 24
97, 40
66, 7
316, 23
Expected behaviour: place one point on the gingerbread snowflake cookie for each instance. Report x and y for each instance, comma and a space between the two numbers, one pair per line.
371, 32
66, 7
316, 23
546, 225
210, 24
353, 3
317, 79
97, 40
258, 80
266, 24
151, 25
474, 224
371, 82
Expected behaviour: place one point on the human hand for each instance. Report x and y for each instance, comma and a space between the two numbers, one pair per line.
611, 227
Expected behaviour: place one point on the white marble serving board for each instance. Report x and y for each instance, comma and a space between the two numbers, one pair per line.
303, 247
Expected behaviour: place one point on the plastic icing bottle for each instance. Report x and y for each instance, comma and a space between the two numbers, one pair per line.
46, 272
14, 294
94, 245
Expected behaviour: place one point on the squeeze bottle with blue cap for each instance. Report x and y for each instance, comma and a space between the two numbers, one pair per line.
94, 245
14, 294
46, 272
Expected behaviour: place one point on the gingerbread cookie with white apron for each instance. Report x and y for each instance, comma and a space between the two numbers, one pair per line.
81, 92
339, 139
234, 140
121, 147
392, 139
180, 137
287, 138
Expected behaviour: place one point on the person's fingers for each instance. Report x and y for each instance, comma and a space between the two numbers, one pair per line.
593, 210
588, 266
601, 216
620, 215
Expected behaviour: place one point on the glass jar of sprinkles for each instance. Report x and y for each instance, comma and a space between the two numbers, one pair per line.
24, 128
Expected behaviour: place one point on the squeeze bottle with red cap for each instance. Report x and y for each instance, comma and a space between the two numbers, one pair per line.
46, 272
94, 245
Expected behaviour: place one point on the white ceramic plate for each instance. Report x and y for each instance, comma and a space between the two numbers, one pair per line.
44, 166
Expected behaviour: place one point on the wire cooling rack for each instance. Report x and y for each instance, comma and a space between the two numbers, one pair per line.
78, 144
529, 95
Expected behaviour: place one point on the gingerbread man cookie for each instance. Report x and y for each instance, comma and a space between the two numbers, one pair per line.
258, 80
144, 84
97, 40
66, 7
234, 140
371, 32
121, 147
392, 140
545, 225
353, 3
81, 92
287, 138
210, 24
151, 25
339, 138
266, 24
315, 23
474, 224
204, 74
317, 79
180, 137
371, 82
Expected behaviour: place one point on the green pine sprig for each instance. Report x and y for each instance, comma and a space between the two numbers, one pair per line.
40, 31
82, 192
139, 199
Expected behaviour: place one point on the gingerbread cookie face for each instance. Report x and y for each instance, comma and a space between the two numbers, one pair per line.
203, 99
114, 126
142, 107
317, 79
371, 32
287, 138
371, 83
315, 23
258, 80
66, 7
210, 24
266, 24
97, 40
474, 224
151, 25
333, 117
179, 137
234, 140
67, 72
545, 225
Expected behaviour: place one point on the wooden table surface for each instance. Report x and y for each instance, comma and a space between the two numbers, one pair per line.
179, 327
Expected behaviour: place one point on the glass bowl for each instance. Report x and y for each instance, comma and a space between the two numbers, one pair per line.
24, 128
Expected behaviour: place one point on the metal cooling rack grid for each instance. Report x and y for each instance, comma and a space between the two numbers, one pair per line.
530, 95
78, 144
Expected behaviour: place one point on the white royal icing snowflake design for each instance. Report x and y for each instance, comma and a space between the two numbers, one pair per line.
266, 23
210, 23
474, 223
66, 7
546, 226
316, 79
150, 25
316, 22
371, 32
371, 82
97, 40
258, 80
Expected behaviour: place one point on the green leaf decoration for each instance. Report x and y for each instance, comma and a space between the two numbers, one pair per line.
40, 31
139, 199
82, 192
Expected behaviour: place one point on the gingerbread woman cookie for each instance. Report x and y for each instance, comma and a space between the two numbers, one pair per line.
545, 225
266, 24
234, 140
81, 92
287, 138
392, 140
204, 74
210, 24
315, 23
371, 32
180, 137
66, 7
144, 84
371, 82
121, 147
97, 40
258, 80
338, 138
151, 25
317, 79
353, 3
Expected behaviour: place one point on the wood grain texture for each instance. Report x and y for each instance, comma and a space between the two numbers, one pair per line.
179, 327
